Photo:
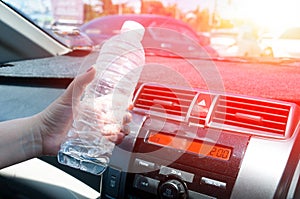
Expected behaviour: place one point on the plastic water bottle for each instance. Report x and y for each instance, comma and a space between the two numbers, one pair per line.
105, 101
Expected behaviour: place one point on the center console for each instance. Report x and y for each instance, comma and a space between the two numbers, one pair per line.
187, 143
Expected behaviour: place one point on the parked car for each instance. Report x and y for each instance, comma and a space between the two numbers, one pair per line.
223, 41
283, 44
164, 34
235, 42
72, 37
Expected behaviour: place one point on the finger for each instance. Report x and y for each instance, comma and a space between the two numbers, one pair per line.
125, 129
116, 138
127, 118
130, 107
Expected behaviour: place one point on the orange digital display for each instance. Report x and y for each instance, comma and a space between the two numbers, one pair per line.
194, 146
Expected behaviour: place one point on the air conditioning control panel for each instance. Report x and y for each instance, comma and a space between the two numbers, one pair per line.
196, 144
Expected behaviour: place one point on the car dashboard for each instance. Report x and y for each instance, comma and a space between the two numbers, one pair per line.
230, 131
195, 144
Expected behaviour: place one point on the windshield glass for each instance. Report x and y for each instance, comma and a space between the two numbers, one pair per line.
231, 28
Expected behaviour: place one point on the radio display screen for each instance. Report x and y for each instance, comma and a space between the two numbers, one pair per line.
189, 145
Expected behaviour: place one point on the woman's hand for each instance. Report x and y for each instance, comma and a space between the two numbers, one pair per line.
57, 118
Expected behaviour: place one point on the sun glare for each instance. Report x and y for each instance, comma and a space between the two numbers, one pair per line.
272, 14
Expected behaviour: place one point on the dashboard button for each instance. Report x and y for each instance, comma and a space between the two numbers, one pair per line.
113, 181
212, 182
146, 184
186, 176
144, 164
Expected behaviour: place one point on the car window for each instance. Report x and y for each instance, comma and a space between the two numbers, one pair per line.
230, 28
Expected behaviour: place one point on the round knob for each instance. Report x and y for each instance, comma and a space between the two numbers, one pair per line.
172, 189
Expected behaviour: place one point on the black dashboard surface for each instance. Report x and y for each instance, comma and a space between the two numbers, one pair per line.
27, 87
275, 81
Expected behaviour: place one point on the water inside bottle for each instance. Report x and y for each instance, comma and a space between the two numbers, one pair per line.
86, 147
76, 154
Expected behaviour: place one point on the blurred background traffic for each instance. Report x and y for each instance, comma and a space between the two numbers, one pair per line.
225, 28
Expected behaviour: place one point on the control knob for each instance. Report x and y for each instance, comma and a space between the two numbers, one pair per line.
172, 189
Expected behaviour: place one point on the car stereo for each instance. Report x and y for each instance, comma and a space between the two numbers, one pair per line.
187, 143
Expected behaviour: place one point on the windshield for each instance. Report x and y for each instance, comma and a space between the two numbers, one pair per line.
231, 28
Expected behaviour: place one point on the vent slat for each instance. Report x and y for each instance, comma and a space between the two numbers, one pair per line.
162, 97
266, 122
189, 94
165, 100
196, 118
161, 110
252, 111
234, 115
145, 101
254, 105
254, 115
252, 126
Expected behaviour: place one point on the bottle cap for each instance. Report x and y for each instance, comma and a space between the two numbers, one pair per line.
135, 28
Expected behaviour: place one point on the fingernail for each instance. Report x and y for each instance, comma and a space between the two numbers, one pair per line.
130, 107
127, 118
91, 68
125, 130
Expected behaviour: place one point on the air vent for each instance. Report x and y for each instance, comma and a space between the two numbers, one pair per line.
162, 100
252, 115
